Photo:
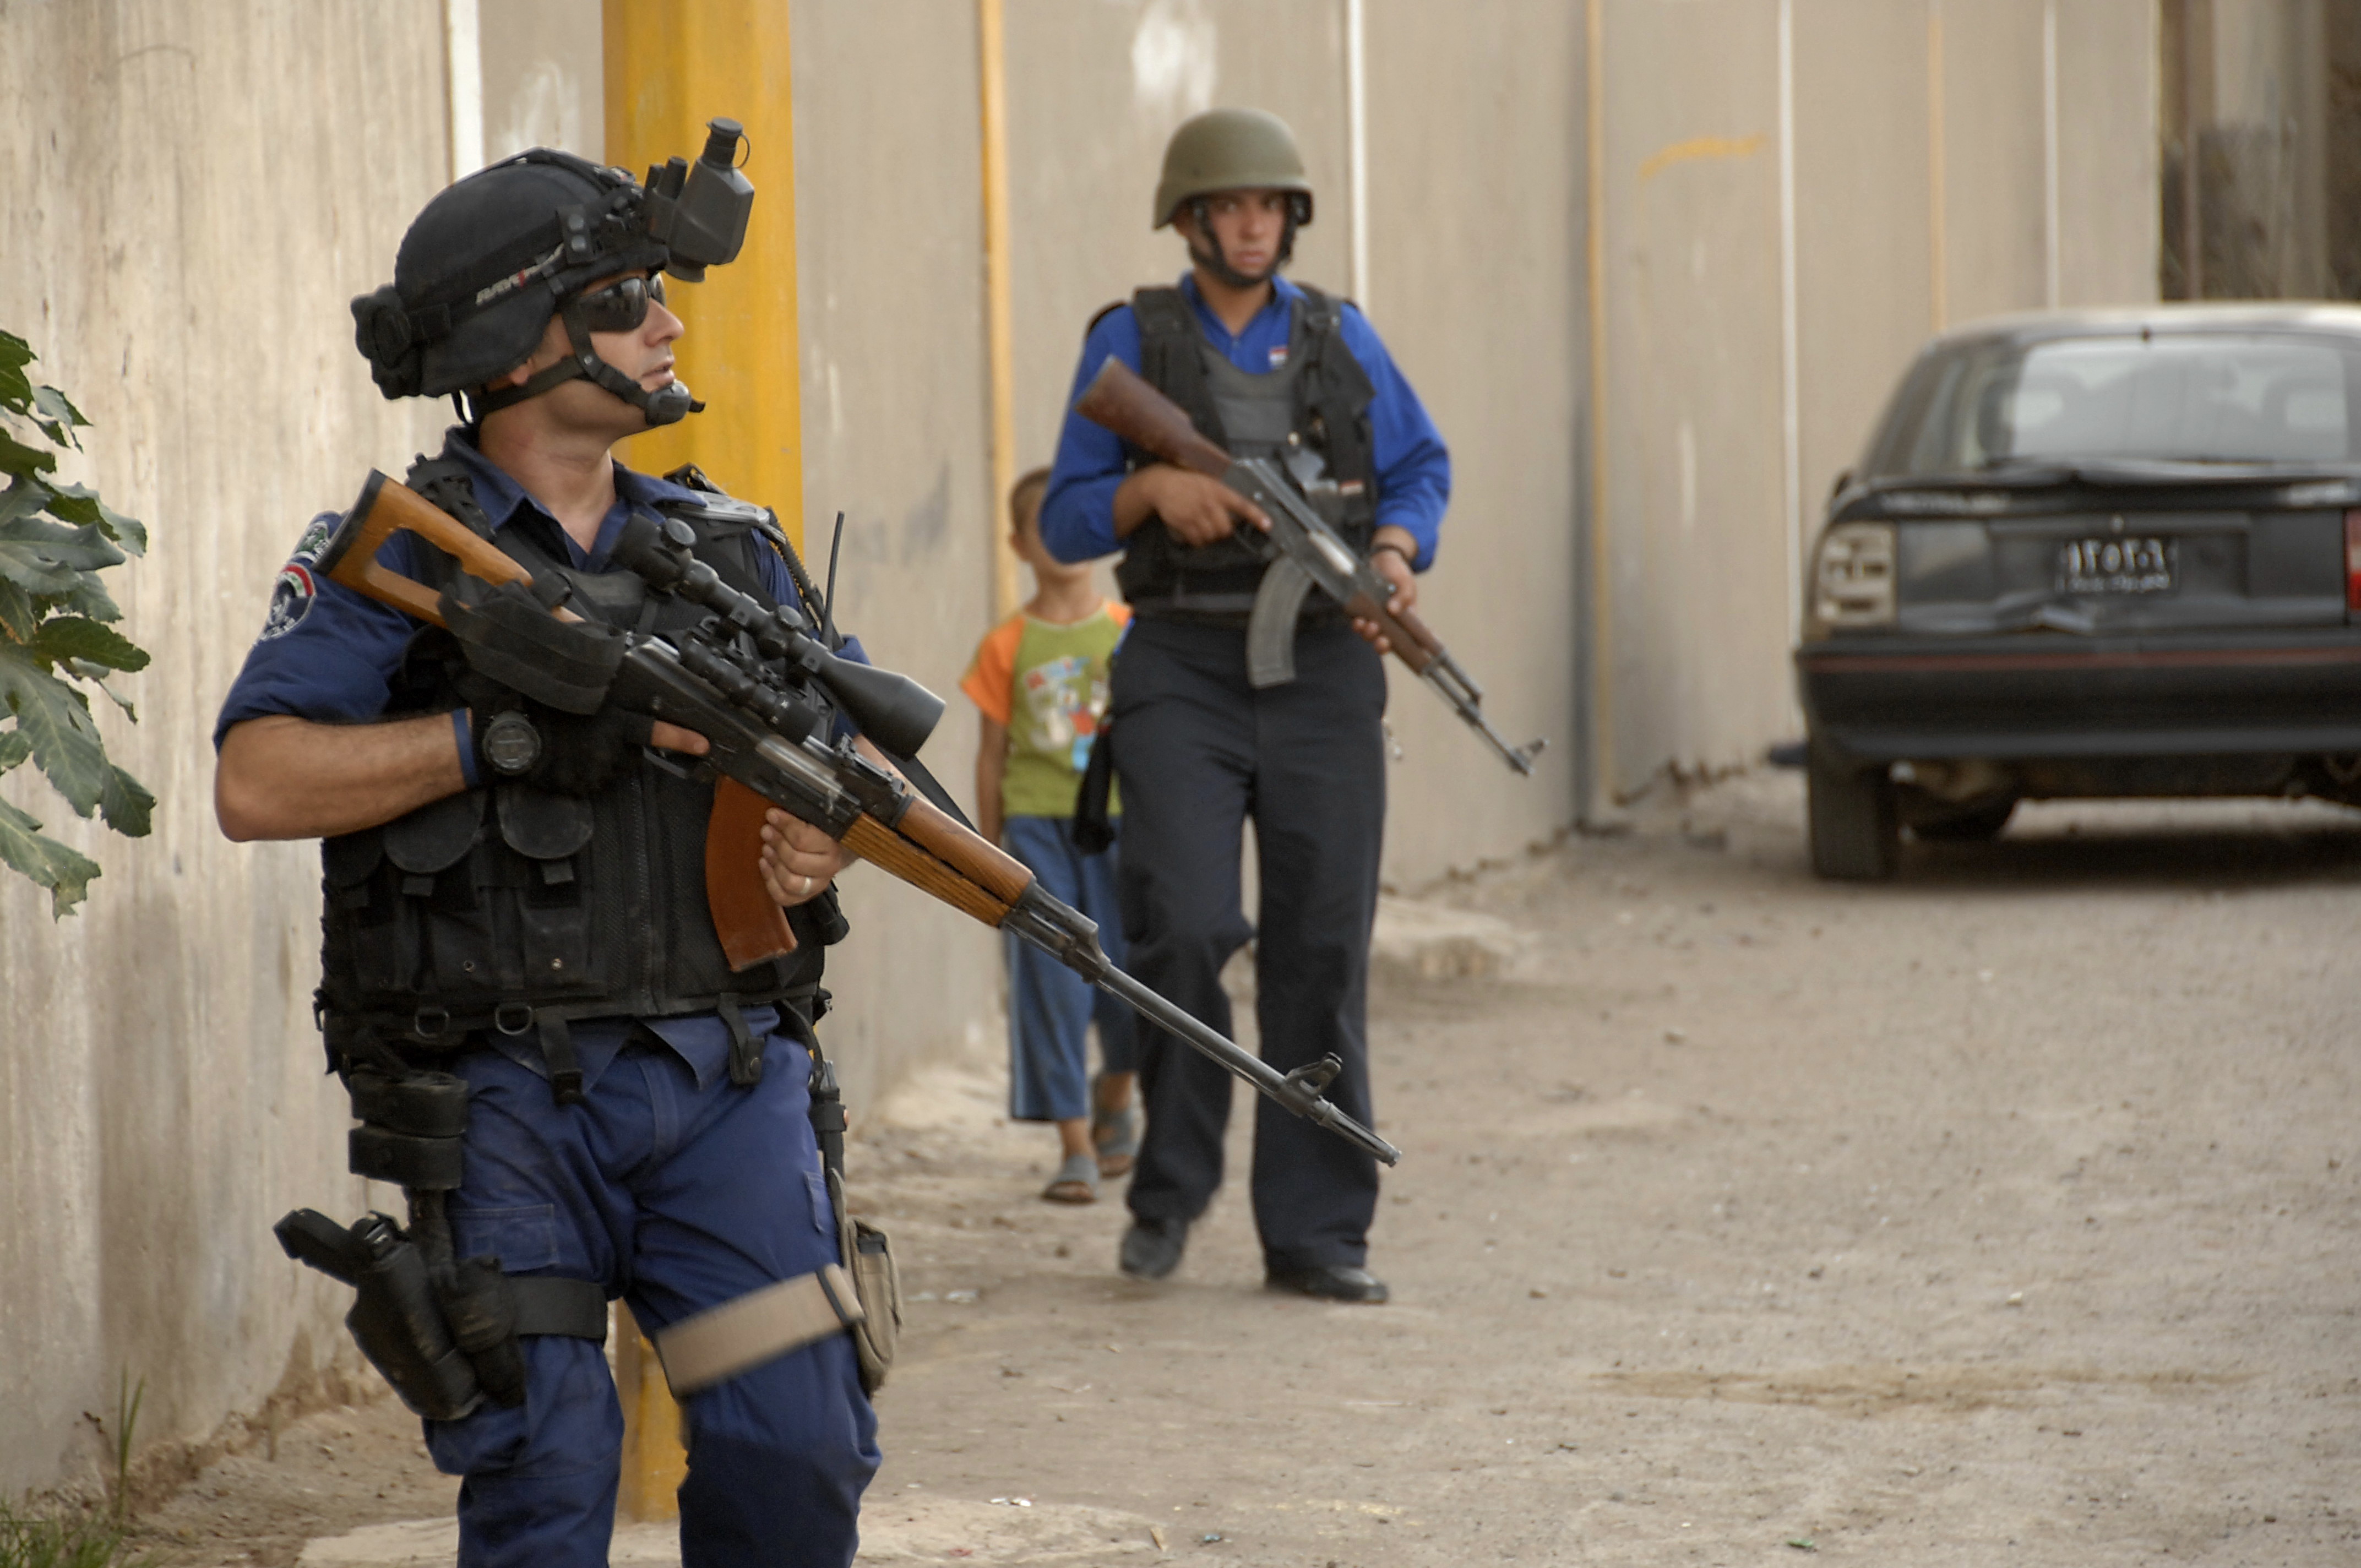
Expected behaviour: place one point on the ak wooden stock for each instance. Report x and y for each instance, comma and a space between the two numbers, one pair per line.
751, 927
1120, 401
388, 506
911, 862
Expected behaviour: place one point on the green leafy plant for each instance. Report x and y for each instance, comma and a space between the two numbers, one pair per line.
56, 646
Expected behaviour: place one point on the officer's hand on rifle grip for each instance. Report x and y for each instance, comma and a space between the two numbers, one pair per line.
1196, 508
798, 860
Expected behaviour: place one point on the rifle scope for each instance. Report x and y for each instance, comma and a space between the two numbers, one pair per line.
893, 710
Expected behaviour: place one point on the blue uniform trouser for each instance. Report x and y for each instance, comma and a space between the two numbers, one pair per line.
1051, 1007
677, 1198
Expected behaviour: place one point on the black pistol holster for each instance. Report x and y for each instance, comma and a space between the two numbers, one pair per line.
443, 1330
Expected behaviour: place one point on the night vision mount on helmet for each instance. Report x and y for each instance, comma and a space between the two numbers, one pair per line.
496, 255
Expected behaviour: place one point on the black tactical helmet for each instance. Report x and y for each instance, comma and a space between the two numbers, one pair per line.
492, 258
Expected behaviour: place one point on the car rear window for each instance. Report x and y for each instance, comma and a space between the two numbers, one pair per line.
2219, 399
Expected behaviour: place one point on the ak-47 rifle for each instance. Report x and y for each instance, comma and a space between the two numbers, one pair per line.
1307, 554
770, 741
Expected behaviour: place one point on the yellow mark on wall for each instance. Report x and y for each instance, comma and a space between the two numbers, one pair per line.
671, 66
999, 313
1698, 148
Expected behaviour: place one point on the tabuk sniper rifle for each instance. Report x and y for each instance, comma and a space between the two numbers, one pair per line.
1309, 554
771, 744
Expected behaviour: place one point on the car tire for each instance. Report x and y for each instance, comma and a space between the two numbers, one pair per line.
1855, 831
1977, 825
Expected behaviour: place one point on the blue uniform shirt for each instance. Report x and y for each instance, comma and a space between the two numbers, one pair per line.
1413, 466
330, 654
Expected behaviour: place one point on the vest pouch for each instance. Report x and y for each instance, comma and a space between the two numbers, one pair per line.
442, 941
550, 833
362, 906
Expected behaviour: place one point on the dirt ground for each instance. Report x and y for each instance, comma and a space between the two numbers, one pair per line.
2004, 1213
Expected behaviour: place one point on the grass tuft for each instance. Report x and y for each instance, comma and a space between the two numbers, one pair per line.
33, 1541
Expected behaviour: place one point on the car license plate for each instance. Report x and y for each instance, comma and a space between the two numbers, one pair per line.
2117, 566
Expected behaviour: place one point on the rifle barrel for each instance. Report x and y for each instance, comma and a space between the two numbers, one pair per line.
1312, 1107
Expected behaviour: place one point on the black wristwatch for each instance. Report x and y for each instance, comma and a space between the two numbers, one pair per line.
509, 744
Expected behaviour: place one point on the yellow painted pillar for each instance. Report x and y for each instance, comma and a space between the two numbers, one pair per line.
654, 1464
671, 65
999, 313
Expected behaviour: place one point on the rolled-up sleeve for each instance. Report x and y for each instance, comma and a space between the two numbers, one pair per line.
1412, 465
1078, 512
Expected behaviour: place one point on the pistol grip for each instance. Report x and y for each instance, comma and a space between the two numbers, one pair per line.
751, 923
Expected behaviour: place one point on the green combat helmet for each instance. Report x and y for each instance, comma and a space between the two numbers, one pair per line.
1232, 149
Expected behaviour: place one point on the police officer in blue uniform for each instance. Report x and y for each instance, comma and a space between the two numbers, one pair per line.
1265, 367
514, 898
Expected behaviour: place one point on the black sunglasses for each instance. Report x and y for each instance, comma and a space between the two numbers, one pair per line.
622, 305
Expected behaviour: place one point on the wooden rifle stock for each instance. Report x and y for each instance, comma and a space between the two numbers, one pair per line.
1120, 401
751, 923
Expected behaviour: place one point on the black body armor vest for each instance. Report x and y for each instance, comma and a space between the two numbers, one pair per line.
1322, 434
508, 907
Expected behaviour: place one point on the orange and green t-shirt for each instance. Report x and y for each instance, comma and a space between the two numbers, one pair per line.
1048, 684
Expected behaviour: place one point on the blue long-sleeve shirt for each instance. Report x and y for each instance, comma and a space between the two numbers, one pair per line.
1412, 467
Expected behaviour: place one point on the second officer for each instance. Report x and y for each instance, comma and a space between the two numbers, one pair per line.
1265, 367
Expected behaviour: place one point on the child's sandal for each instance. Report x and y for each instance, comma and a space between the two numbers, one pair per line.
1077, 1181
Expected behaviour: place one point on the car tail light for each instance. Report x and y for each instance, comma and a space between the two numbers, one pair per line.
1852, 576
2353, 560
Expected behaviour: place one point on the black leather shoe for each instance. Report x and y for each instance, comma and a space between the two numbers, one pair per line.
1330, 1282
1151, 1249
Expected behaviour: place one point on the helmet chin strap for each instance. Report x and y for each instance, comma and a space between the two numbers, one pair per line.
1205, 251
668, 404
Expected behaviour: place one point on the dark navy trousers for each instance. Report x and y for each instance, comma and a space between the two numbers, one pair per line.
1199, 751
678, 1196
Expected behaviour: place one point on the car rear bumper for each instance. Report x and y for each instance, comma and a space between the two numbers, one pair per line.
1890, 698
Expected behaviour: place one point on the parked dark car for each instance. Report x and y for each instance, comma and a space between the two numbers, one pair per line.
2090, 554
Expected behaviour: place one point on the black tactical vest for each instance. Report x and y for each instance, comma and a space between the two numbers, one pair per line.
1312, 415
512, 909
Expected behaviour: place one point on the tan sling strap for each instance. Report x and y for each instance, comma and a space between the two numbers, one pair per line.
726, 1340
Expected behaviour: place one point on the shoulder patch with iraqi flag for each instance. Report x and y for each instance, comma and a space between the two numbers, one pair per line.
292, 596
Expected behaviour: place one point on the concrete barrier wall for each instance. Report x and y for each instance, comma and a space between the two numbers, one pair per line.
1949, 161
188, 192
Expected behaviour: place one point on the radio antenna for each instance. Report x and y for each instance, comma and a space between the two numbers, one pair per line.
828, 605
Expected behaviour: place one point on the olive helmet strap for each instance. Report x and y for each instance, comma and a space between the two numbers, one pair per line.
1206, 249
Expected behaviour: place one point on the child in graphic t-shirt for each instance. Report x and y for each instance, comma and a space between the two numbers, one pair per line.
1041, 678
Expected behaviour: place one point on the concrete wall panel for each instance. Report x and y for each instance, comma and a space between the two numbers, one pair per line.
181, 257
1994, 218
543, 76
1492, 213
889, 261
1864, 272
2106, 175
1694, 456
